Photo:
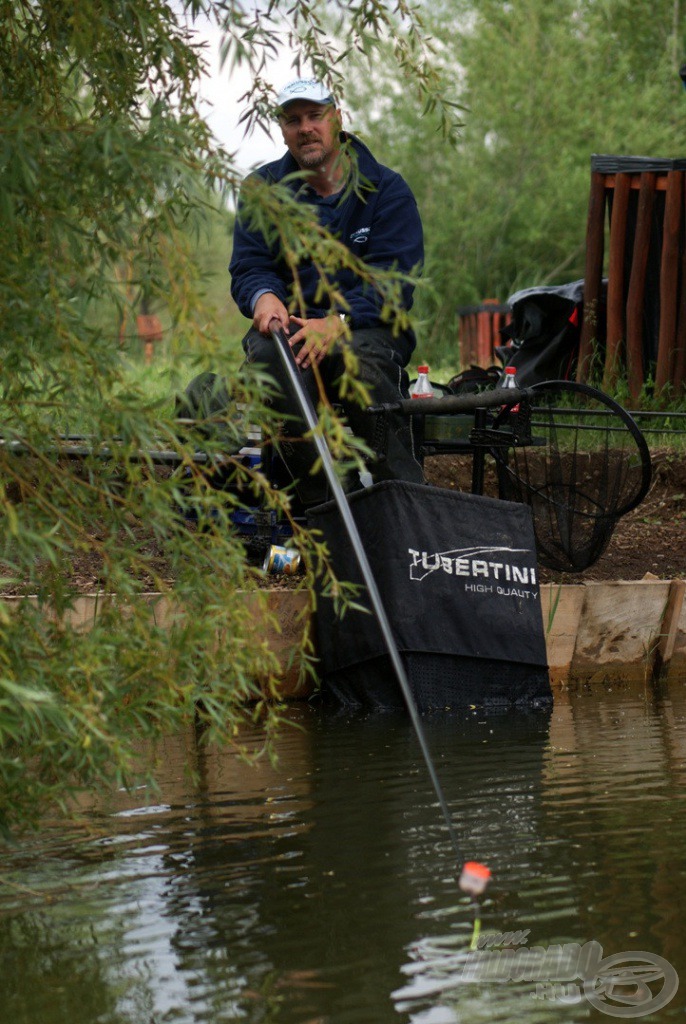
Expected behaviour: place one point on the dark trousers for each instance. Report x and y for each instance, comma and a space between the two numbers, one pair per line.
381, 371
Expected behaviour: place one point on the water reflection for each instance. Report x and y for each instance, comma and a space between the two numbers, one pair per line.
314, 890
608, 869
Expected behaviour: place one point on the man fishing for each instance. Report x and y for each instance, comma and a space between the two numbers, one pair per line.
371, 210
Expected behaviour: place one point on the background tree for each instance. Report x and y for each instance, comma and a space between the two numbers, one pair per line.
543, 87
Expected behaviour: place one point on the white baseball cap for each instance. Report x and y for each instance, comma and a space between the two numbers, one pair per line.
304, 89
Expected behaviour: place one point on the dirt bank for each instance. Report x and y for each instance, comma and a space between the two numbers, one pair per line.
651, 539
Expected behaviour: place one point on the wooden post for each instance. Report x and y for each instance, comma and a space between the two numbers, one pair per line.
595, 241
616, 324
149, 331
679, 373
487, 331
468, 346
664, 648
637, 284
474, 337
483, 337
669, 276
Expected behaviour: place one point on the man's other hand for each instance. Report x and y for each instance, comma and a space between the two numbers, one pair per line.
317, 335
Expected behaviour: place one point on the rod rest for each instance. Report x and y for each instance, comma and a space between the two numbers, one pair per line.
453, 404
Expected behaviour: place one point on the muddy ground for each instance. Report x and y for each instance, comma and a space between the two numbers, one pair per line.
651, 539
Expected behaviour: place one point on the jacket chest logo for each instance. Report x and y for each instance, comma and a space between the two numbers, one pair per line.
359, 236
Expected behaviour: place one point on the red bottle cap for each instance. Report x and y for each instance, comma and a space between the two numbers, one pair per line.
422, 369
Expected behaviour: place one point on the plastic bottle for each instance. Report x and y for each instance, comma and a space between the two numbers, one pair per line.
509, 378
422, 386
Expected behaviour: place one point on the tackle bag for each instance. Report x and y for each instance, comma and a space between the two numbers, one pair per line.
474, 380
458, 579
545, 332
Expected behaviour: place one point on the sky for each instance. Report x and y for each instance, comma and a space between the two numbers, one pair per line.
220, 92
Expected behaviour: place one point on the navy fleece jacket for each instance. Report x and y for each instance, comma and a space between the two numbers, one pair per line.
381, 226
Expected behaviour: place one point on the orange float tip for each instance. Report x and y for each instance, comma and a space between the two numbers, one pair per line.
474, 877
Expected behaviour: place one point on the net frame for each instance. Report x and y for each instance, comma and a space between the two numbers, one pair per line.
589, 465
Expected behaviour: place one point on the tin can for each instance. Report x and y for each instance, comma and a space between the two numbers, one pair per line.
251, 457
282, 560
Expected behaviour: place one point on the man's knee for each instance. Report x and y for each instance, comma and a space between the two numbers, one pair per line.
380, 365
374, 341
382, 344
260, 349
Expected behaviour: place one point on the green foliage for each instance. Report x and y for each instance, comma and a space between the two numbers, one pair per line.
326, 36
113, 198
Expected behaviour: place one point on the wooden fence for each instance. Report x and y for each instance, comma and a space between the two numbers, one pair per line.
479, 328
634, 321
643, 320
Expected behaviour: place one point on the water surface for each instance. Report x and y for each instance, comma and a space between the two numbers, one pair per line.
324, 889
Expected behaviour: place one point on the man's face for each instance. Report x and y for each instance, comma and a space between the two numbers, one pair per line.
310, 130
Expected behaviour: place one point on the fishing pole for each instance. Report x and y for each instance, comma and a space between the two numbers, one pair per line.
474, 876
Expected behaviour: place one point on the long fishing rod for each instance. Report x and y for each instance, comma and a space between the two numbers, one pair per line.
472, 880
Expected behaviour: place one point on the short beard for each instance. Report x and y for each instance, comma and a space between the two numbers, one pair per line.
312, 160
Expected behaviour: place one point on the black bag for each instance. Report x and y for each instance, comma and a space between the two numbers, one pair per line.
208, 402
457, 575
474, 380
545, 333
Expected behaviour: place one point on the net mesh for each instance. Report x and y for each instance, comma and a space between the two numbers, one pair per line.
440, 682
589, 465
